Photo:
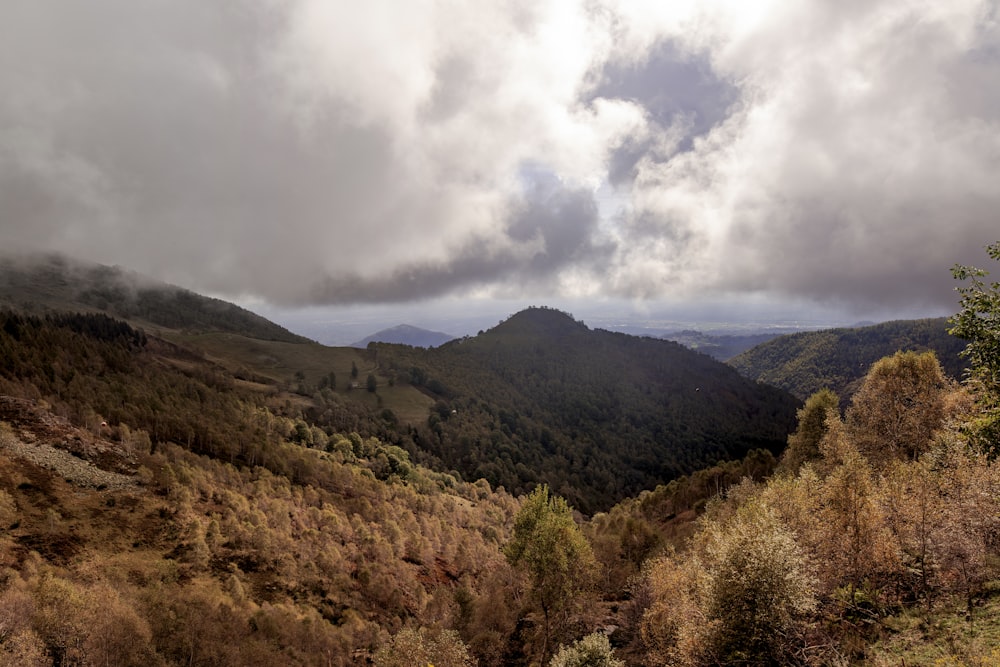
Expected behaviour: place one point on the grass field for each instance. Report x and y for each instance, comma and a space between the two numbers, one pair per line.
281, 362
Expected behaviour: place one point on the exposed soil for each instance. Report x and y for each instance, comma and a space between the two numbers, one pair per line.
70, 452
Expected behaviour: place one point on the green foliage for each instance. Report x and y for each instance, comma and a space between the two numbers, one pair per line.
598, 416
56, 283
549, 548
803, 445
594, 650
804, 363
978, 322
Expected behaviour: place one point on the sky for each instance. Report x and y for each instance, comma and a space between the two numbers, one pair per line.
306, 156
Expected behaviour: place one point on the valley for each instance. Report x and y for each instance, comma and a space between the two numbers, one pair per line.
177, 489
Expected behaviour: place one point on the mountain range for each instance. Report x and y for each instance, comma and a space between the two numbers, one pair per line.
595, 414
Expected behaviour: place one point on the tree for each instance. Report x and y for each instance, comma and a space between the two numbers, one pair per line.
424, 647
899, 407
371, 383
594, 650
550, 550
739, 597
803, 445
759, 588
853, 543
978, 321
354, 371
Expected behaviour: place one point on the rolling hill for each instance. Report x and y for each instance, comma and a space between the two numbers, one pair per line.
837, 359
540, 398
597, 415
198, 496
53, 283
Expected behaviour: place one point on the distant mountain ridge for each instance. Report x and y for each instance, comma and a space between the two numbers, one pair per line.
718, 346
405, 334
37, 284
837, 359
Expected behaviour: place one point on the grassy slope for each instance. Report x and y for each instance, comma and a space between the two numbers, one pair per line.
280, 362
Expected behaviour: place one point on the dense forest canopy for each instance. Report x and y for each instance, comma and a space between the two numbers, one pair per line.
598, 416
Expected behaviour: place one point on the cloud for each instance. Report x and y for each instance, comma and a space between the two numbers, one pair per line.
324, 152
858, 164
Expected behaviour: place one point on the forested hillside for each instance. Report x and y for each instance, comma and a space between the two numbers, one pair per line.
837, 359
156, 509
597, 415
52, 283
719, 346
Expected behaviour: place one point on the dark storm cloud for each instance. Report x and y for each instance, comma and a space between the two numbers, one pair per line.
550, 229
678, 91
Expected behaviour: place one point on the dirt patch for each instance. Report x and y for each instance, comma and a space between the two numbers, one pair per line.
52, 443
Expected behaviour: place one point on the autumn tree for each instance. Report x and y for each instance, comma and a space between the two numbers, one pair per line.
424, 647
740, 597
760, 588
549, 548
594, 650
854, 543
899, 407
673, 627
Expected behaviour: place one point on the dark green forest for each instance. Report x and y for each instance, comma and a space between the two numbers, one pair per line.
598, 416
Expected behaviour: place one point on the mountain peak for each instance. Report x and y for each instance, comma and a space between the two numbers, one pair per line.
540, 321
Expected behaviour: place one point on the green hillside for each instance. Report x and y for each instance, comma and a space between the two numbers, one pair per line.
597, 415
837, 359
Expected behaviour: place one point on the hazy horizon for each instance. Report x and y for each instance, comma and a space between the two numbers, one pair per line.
343, 326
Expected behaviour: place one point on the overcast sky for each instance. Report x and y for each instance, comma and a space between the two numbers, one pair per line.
316, 152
